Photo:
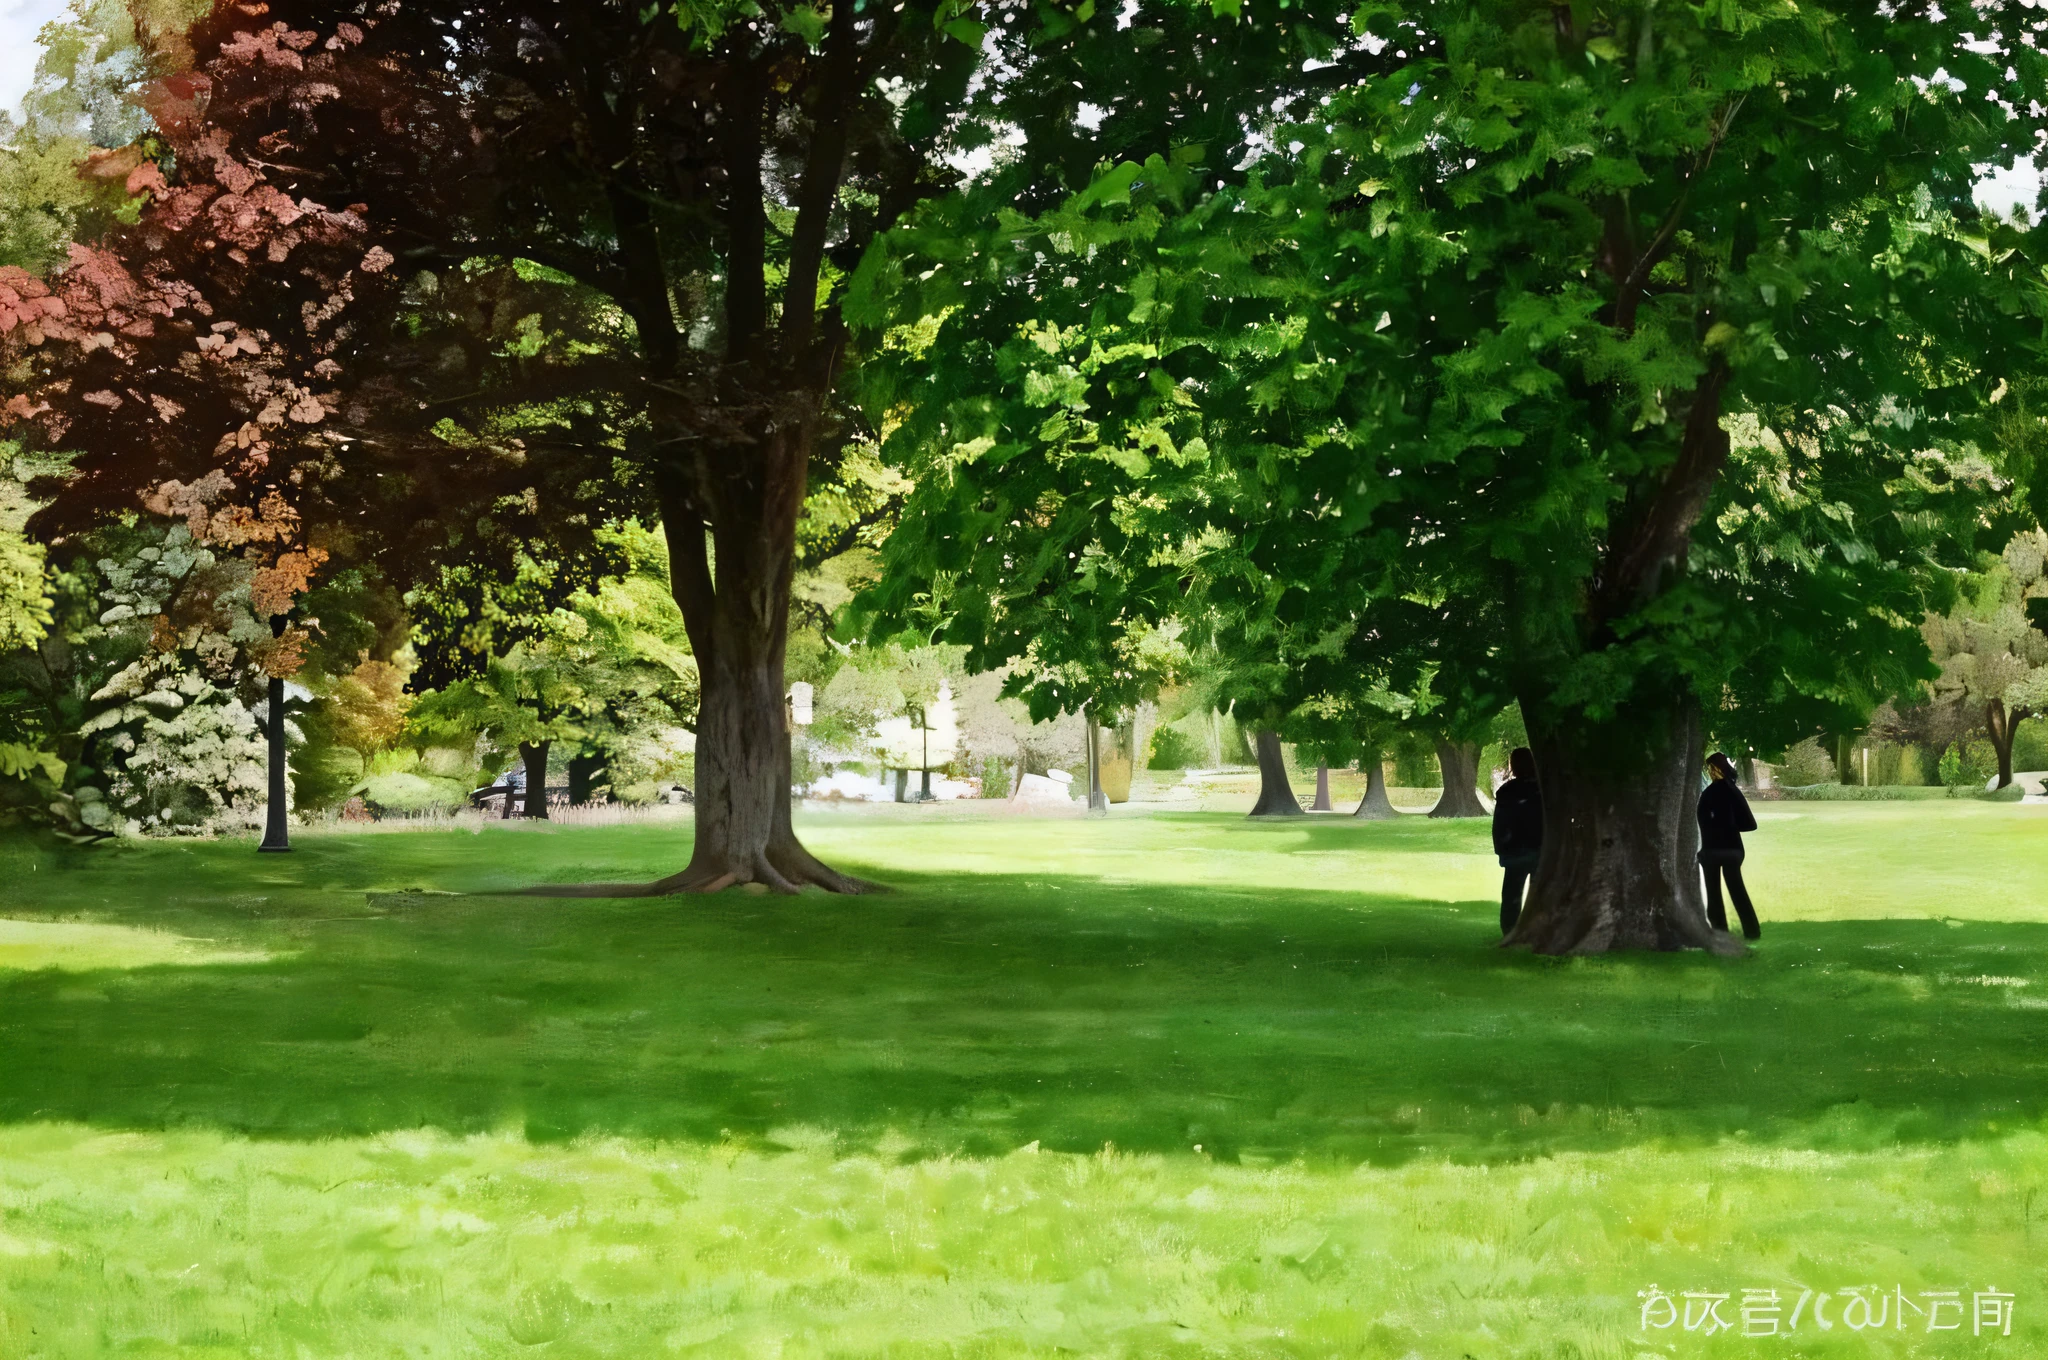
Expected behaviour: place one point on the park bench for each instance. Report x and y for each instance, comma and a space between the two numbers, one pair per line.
499, 794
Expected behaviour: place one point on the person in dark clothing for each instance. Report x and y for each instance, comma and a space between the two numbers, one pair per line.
1724, 815
1517, 832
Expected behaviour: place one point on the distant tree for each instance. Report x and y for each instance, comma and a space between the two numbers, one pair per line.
534, 667
1992, 652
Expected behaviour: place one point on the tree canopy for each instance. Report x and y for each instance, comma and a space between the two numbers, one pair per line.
1644, 362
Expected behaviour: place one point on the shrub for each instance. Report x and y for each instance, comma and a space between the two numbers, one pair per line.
1172, 749
1415, 766
995, 777
1912, 771
1858, 793
411, 793
1807, 764
1968, 764
2030, 745
2011, 793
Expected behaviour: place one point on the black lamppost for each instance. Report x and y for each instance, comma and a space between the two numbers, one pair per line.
276, 829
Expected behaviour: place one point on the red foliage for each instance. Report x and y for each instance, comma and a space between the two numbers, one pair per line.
194, 357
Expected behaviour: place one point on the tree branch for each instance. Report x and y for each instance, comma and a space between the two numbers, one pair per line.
1659, 535
584, 267
1628, 292
689, 569
831, 112
741, 93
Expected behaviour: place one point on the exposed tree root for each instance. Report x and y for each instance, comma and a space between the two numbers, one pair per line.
785, 869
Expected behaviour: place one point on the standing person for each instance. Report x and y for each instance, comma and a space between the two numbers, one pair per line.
1517, 832
1724, 815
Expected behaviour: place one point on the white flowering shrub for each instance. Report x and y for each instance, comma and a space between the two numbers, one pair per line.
182, 754
173, 734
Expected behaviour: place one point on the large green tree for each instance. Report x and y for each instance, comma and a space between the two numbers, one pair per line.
712, 173
1641, 358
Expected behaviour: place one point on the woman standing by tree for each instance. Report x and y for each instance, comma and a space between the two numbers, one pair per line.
1724, 815
1517, 832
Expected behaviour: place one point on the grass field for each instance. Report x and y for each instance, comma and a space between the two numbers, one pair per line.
1168, 1084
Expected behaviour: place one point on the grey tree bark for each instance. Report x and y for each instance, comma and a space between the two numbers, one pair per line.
1459, 761
1376, 806
1276, 795
1620, 840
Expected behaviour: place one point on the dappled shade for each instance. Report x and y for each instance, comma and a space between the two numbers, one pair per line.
979, 1012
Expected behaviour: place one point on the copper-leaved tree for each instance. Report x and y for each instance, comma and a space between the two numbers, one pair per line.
189, 359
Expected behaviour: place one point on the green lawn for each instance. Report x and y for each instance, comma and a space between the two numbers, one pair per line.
1160, 1085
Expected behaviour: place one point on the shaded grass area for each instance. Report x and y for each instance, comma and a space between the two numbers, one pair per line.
973, 1013
1173, 1085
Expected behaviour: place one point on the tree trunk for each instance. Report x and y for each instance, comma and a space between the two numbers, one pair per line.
730, 516
583, 773
1098, 801
1620, 840
1276, 797
1375, 806
1322, 802
533, 757
2003, 725
1459, 761
276, 821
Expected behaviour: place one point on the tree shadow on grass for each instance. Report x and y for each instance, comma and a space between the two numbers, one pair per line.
976, 1013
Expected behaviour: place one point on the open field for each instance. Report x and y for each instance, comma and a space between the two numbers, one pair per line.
1158, 1085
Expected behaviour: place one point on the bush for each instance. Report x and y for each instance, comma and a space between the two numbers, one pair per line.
995, 777
1857, 793
1968, 764
412, 793
1172, 749
1912, 771
1806, 765
2030, 745
2011, 793
1415, 766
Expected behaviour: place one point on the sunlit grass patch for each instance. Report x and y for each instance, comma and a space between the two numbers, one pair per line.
82, 946
424, 1244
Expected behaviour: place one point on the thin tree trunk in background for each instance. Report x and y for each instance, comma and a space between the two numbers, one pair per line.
533, 756
2003, 726
1322, 803
1376, 806
277, 837
1097, 800
583, 772
1459, 761
1276, 796
1620, 838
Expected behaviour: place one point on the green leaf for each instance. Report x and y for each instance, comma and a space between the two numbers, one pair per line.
807, 23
